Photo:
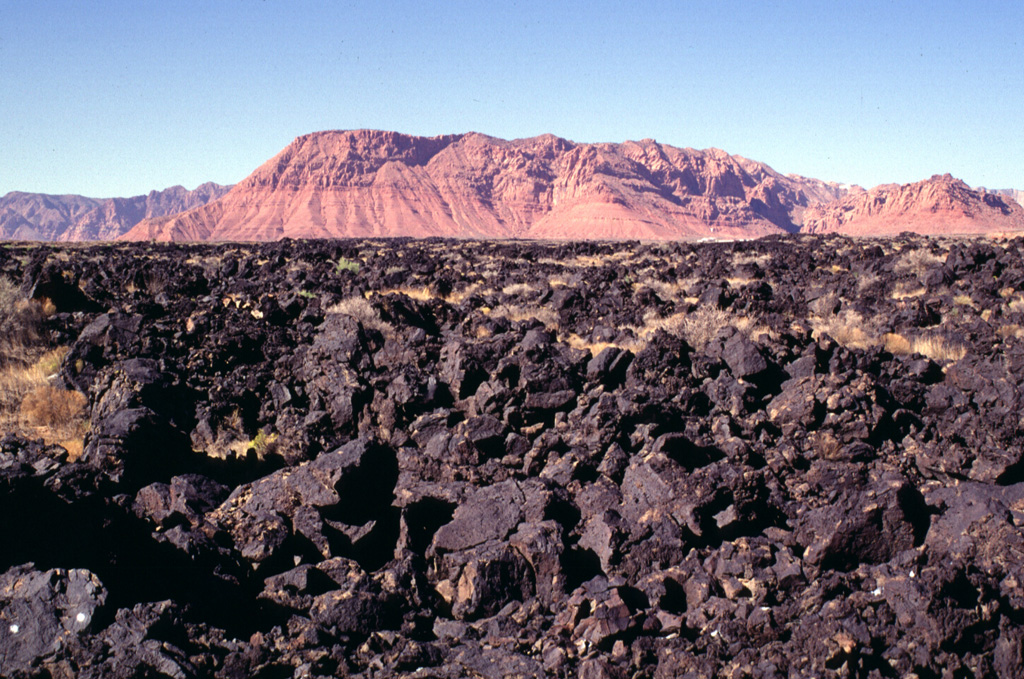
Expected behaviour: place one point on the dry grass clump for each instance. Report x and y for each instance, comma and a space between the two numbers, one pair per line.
848, 328
55, 414
31, 406
558, 281
423, 293
737, 282
595, 348
517, 312
917, 261
418, 293
588, 261
700, 326
669, 292
867, 280
19, 325
519, 289
459, 296
360, 309
934, 347
760, 259
905, 290
1010, 330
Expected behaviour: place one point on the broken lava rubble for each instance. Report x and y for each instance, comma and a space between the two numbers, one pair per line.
440, 459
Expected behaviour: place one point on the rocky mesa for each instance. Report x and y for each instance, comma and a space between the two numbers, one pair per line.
368, 183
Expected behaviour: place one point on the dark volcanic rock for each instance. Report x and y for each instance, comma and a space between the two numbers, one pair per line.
784, 457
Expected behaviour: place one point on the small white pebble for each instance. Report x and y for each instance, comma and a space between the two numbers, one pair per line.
80, 617
15, 629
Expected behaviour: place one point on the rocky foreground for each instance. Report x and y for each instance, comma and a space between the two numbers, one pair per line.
792, 457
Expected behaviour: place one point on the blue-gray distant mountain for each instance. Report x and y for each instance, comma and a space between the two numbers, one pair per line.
45, 217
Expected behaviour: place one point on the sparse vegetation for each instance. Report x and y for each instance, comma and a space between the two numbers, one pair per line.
31, 406
595, 348
19, 326
934, 347
57, 416
917, 261
345, 265
907, 290
699, 326
360, 309
262, 445
332, 452
517, 313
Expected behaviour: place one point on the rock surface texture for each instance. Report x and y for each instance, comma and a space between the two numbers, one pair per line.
40, 216
792, 457
941, 205
369, 183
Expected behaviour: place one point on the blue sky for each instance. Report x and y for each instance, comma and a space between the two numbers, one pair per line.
117, 98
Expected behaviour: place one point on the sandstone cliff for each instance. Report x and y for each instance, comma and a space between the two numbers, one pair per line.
940, 205
371, 183
40, 216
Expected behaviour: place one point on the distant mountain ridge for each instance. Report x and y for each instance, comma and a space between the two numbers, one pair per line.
935, 206
371, 183
46, 217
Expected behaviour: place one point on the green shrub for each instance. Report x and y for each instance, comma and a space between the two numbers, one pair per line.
345, 264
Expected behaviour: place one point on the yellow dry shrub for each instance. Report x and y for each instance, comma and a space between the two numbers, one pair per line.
595, 348
847, 328
699, 326
934, 347
418, 293
917, 261
1010, 330
516, 313
58, 416
49, 407
360, 309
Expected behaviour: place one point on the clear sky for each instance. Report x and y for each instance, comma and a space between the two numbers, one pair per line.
119, 97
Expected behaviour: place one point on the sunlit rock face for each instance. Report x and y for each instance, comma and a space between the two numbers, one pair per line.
368, 183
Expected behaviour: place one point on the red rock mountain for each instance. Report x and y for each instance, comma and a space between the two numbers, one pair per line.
940, 205
372, 183
40, 216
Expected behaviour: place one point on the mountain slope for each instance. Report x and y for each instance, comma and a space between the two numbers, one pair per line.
939, 205
39, 216
373, 183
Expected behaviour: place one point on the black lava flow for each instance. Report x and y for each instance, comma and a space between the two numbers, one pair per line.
796, 456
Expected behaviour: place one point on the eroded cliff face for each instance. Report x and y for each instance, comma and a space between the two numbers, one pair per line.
369, 183
372, 183
939, 205
39, 216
